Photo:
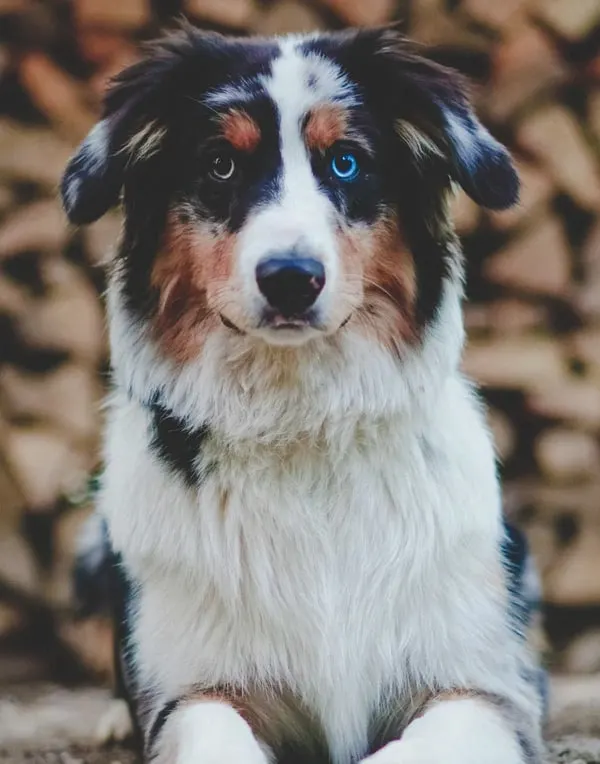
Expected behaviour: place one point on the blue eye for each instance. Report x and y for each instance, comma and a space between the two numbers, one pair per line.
345, 166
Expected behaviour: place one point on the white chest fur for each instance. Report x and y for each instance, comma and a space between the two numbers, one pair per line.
341, 568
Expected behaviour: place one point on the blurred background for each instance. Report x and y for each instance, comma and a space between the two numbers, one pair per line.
534, 287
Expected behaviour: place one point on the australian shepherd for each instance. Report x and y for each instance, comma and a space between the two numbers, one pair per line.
300, 498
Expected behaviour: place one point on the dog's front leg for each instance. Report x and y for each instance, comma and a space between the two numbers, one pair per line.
207, 732
466, 729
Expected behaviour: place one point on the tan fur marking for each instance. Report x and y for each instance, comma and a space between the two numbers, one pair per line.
275, 717
393, 723
502, 704
390, 723
188, 275
417, 141
378, 257
455, 694
240, 130
326, 124
223, 501
146, 142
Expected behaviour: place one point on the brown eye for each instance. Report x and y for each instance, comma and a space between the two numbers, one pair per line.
222, 167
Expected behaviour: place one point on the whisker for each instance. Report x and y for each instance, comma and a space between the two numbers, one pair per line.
379, 287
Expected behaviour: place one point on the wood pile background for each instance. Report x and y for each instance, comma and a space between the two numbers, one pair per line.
534, 285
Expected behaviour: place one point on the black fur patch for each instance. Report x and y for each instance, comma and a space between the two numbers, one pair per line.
123, 594
106, 588
295, 753
516, 557
177, 445
92, 579
258, 172
159, 723
523, 603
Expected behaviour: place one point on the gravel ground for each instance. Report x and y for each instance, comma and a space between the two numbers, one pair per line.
45, 724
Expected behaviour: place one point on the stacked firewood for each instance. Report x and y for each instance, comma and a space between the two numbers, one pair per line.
534, 278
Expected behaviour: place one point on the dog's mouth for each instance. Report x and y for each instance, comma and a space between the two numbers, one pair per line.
296, 322
278, 323
275, 322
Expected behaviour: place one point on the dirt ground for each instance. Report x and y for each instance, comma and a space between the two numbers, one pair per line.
46, 724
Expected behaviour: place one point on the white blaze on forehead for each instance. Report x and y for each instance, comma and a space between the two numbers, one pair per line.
298, 81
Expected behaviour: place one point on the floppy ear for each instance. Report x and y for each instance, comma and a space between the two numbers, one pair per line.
95, 174
480, 164
93, 178
434, 99
131, 123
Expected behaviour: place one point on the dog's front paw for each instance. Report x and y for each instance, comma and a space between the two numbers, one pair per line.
214, 733
461, 731
444, 749
228, 752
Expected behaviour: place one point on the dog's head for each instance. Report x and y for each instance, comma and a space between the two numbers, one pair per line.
286, 189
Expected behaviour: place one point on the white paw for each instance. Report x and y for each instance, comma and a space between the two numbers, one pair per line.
214, 733
115, 724
454, 732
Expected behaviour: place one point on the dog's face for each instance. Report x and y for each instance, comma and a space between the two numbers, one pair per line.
287, 189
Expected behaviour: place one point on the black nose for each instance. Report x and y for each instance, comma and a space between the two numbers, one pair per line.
290, 285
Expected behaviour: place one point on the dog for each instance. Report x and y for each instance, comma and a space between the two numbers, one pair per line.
302, 513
